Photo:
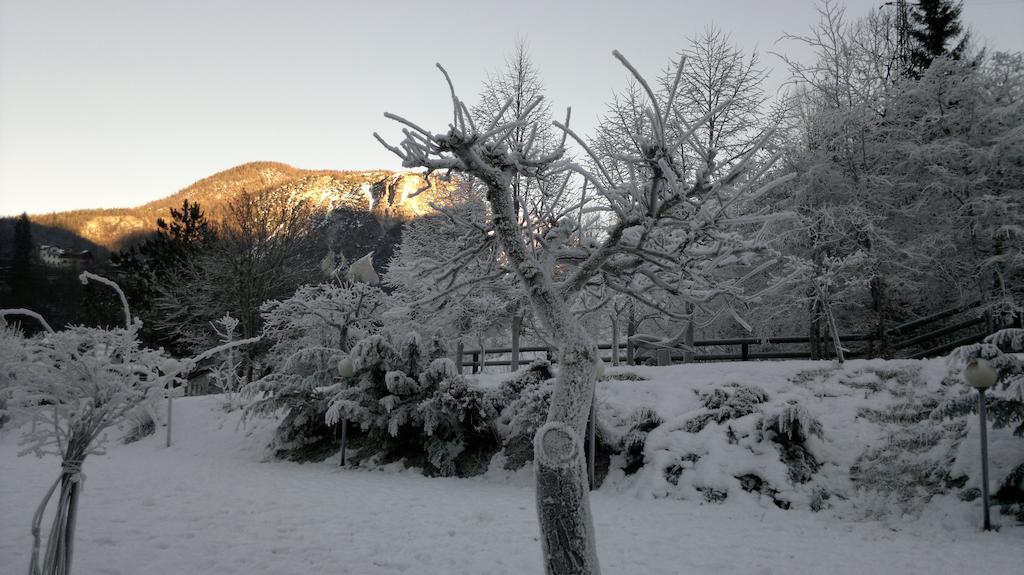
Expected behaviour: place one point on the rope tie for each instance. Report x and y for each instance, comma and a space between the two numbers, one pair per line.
73, 470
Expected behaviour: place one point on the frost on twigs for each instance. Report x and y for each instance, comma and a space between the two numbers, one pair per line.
668, 230
71, 387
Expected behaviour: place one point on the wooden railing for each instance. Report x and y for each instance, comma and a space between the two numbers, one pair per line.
911, 339
741, 351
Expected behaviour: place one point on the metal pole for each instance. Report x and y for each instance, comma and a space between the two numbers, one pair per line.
984, 458
344, 441
592, 439
170, 405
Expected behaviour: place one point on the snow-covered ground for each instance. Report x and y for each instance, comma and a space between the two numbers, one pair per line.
214, 503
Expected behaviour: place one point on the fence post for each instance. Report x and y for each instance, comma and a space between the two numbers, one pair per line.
459, 352
517, 321
630, 332
664, 357
476, 361
744, 351
688, 353
615, 339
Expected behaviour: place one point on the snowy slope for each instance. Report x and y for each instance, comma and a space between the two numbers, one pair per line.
212, 503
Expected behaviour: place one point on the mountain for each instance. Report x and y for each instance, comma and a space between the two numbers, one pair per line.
381, 193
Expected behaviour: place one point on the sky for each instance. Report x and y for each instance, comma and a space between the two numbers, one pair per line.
114, 103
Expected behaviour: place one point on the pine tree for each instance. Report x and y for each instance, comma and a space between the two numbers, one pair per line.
935, 28
144, 270
22, 268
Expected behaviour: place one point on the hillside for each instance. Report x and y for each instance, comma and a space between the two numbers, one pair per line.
383, 193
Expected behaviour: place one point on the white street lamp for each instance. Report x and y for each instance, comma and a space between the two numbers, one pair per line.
980, 375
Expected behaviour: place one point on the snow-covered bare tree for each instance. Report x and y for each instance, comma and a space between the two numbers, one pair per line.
723, 86
657, 225
508, 94
471, 315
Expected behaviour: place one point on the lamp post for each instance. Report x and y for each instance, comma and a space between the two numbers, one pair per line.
980, 375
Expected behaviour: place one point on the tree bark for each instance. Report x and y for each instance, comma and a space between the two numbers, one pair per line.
563, 502
878, 306
630, 332
815, 330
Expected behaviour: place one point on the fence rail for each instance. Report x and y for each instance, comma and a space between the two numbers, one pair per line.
928, 343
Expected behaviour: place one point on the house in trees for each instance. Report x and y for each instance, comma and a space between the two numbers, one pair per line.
54, 256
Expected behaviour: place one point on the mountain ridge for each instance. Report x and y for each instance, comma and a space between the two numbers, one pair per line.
389, 195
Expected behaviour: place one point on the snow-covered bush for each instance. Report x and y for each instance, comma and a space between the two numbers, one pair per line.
523, 416
522, 402
227, 374
538, 372
730, 401
458, 422
310, 336
642, 421
1004, 403
73, 386
12, 357
411, 403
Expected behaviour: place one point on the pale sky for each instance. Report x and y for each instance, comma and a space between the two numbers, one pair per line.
108, 103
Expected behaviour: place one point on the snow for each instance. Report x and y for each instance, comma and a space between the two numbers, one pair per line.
214, 503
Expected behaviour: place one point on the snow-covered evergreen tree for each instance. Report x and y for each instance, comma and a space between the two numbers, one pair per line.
311, 335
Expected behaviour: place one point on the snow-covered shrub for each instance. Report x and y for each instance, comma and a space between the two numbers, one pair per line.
458, 421
642, 421
522, 403
311, 335
730, 401
1004, 403
411, 403
74, 385
789, 426
13, 351
538, 372
520, 420
379, 396
910, 467
139, 423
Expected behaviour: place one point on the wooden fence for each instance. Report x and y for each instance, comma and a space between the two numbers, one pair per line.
928, 336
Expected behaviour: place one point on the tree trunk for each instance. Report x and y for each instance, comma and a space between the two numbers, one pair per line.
615, 339
815, 330
878, 307
563, 502
630, 332
517, 323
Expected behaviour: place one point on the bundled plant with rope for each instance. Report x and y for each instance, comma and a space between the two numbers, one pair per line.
68, 388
